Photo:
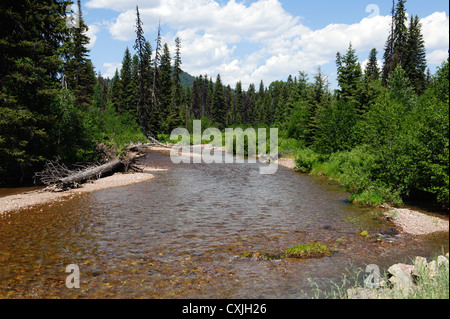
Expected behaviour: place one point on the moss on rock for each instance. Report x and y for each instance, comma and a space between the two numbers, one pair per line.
307, 251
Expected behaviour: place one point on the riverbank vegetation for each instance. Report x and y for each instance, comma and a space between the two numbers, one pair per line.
421, 280
383, 134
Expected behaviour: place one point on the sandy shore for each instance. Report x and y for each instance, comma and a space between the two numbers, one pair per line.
287, 162
416, 223
30, 199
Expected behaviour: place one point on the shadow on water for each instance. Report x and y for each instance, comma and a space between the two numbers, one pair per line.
182, 234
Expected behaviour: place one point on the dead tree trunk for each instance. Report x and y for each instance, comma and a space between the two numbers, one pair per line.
94, 172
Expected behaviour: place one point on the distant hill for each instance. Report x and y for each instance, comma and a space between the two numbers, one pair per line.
186, 79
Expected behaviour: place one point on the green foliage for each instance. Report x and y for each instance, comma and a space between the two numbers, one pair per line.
349, 76
289, 146
127, 99
78, 68
72, 135
335, 127
31, 37
306, 159
307, 251
115, 129
218, 106
383, 140
372, 71
415, 63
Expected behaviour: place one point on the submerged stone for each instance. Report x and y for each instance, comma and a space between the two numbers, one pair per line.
307, 251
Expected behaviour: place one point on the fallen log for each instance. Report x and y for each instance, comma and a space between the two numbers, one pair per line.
90, 173
57, 177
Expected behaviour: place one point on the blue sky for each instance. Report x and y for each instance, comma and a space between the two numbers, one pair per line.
261, 39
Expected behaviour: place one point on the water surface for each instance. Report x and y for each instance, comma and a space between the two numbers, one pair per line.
181, 235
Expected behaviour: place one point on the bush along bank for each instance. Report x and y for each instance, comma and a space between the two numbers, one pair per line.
395, 148
365, 177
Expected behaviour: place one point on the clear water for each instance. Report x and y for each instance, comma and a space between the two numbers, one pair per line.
181, 235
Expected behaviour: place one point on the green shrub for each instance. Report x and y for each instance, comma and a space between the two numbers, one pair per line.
306, 159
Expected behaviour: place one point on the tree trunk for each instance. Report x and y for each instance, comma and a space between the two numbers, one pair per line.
94, 172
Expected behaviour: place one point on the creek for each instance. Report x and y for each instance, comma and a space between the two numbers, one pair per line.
183, 235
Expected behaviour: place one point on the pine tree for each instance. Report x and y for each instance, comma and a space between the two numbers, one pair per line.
115, 91
372, 71
209, 96
311, 108
218, 105
196, 99
396, 44
145, 109
127, 102
415, 63
228, 104
156, 62
165, 88
349, 76
31, 38
203, 94
237, 105
177, 91
78, 68
400, 34
249, 101
100, 97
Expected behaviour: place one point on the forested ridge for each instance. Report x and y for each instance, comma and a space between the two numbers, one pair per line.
383, 133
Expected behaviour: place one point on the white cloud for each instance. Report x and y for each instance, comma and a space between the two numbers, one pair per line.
366, 61
120, 5
437, 57
110, 69
435, 29
215, 37
93, 29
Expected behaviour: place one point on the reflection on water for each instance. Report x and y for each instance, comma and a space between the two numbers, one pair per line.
176, 237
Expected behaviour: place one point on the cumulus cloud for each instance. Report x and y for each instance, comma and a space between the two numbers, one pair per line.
435, 29
120, 5
111, 69
92, 31
437, 56
213, 33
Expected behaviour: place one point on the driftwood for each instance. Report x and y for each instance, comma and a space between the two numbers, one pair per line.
58, 177
90, 173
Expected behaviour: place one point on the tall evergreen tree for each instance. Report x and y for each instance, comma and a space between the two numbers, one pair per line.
156, 62
145, 109
237, 105
203, 91
396, 44
31, 37
228, 104
78, 68
164, 88
372, 71
400, 34
127, 103
218, 105
415, 63
349, 76
196, 99
115, 89
249, 101
177, 91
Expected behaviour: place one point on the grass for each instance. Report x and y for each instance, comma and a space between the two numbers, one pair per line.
428, 285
